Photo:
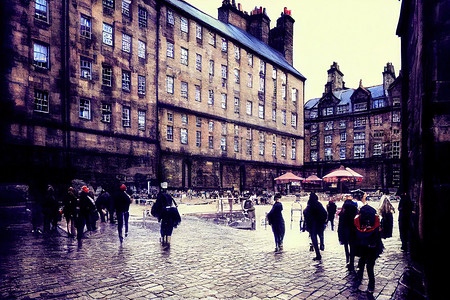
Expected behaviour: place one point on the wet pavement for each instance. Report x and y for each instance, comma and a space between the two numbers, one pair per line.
205, 260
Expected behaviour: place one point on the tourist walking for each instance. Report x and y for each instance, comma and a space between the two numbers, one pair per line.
347, 231
50, 210
331, 210
368, 244
69, 210
85, 206
386, 211
315, 221
275, 218
165, 209
102, 204
122, 203
249, 207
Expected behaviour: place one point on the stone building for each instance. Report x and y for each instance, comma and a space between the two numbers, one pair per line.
424, 28
147, 90
359, 128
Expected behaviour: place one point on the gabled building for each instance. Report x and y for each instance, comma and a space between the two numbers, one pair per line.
359, 128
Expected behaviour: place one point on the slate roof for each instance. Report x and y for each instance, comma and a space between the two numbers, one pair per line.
239, 35
376, 92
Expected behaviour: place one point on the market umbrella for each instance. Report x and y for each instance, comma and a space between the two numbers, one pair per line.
343, 174
288, 177
312, 179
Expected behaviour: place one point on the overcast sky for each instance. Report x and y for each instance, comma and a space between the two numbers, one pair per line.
358, 34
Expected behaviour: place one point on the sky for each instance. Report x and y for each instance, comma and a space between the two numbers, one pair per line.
357, 34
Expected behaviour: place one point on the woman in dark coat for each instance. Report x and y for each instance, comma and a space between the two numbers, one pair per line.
275, 219
387, 220
315, 221
69, 210
347, 230
165, 209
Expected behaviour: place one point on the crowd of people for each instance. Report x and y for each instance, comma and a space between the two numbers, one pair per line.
361, 229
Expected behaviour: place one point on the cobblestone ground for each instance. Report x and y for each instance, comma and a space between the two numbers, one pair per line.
205, 260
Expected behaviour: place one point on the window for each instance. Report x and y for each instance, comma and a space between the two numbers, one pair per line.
283, 148
211, 97
126, 116
169, 84
169, 134
224, 71
106, 111
224, 128
41, 10
85, 109
342, 109
274, 114
360, 107
126, 4
184, 119
184, 25
329, 125
183, 136
274, 73
396, 149
261, 111
237, 76
262, 84
107, 75
396, 116
377, 149
261, 148
223, 143
342, 152
237, 52
198, 31
236, 105
378, 103
141, 85
224, 45
313, 141
262, 67
141, 49
211, 142
274, 146
41, 101
327, 111
211, 68
328, 139
294, 119
108, 3
343, 136
141, 120
294, 94
359, 151
41, 55
283, 117
85, 26
328, 154
126, 43
378, 120
170, 50
170, 17
107, 34
250, 80
211, 126
169, 116
142, 17
249, 147
250, 59
126, 80
198, 94
359, 122
184, 90
342, 124
283, 91
184, 56
224, 101
314, 156
198, 138
293, 149
314, 127
236, 144
360, 135
198, 62
249, 108
212, 39
249, 134
86, 68
314, 114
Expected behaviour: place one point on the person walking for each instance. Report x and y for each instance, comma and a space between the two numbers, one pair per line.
315, 221
249, 207
50, 210
368, 243
275, 218
102, 204
165, 210
405, 208
122, 203
347, 231
84, 208
331, 211
387, 220
69, 210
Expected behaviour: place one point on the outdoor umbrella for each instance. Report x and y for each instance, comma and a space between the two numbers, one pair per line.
288, 177
343, 174
313, 179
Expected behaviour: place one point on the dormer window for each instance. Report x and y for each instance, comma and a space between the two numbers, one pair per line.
359, 107
327, 111
313, 114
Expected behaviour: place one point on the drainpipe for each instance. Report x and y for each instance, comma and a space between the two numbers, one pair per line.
159, 173
65, 89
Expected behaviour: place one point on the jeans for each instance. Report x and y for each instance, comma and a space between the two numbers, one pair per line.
121, 217
314, 234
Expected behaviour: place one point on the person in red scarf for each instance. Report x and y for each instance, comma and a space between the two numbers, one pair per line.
368, 244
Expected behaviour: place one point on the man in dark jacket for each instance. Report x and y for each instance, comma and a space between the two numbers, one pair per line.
331, 210
315, 221
122, 203
102, 204
84, 208
275, 218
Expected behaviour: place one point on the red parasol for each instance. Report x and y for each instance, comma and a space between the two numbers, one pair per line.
343, 174
312, 179
288, 177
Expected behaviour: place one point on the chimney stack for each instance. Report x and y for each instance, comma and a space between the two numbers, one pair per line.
231, 14
259, 24
281, 37
388, 75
